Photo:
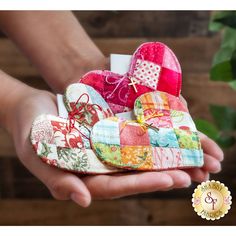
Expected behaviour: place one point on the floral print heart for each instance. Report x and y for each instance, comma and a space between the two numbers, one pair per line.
61, 146
153, 67
65, 143
163, 137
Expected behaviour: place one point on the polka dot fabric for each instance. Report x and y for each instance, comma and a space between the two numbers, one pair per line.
148, 73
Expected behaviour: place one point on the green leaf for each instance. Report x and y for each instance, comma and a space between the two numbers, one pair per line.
224, 117
229, 19
221, 19
207, 128
228, 46
229, 41
222, 72
214, 25
226, 141
224, 62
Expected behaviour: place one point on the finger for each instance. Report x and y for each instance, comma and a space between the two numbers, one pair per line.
197, 174
180, 178
107, 187
211, 164
62, 185
210, 147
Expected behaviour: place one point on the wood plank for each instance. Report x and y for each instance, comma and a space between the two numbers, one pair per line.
144, 23
116, 212
195, 54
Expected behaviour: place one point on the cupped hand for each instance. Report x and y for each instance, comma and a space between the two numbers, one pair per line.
64, 185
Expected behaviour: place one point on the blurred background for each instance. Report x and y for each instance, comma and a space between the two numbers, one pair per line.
26, 201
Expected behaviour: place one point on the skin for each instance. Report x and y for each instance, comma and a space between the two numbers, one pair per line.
48, 40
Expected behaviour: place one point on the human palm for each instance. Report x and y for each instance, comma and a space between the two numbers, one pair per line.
81, 189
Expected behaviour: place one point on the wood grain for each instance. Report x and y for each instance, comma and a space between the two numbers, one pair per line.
116, 212
195, 54
143, 23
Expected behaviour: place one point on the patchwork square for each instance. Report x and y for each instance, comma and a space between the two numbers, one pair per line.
182, 120
176, 104
187, 139
147, 73
192, 158
151, 101
133, 135
137, 157
163, 138
111, 150
167, 158
66, 139
107, 132
158, 118
170, 61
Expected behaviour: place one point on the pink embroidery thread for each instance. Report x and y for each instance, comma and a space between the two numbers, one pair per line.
129, 77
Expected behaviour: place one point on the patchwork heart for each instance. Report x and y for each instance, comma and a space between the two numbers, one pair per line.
85, 104
62, 146
65, 143
153, 67
163, 137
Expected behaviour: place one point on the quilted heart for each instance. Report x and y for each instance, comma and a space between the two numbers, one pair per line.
85, 104
65, 142
163, 137
153, 67
60, 145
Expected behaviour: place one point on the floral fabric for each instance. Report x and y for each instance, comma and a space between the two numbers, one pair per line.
58, 145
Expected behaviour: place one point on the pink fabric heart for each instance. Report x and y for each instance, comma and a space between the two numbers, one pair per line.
153, 67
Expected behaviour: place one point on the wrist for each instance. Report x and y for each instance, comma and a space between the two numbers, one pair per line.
12, 93
72, 63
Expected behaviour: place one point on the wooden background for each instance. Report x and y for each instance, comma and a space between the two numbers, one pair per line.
25, 201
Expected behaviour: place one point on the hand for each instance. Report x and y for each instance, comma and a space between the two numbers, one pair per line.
64, 185
213, 155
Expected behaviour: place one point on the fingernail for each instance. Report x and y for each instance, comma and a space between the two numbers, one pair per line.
217, 168
187, 185
80, 200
